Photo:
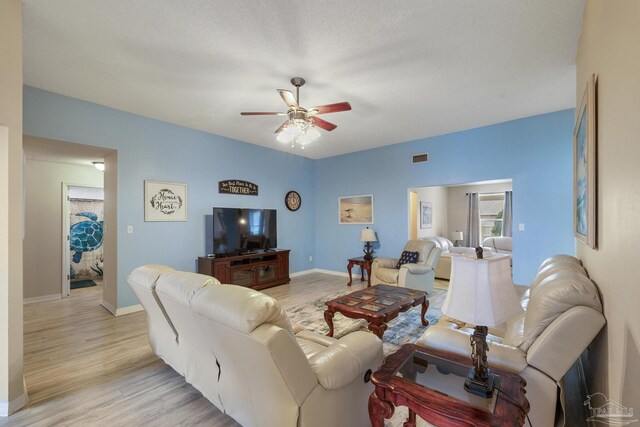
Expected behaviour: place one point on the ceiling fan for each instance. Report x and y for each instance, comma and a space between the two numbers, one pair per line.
302, 123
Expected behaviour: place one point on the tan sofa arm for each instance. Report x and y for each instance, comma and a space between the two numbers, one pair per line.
347, 359
416, 268
316, 338
447, 339
562, 342
385, 262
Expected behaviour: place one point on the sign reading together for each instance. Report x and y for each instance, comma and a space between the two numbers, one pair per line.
237, 186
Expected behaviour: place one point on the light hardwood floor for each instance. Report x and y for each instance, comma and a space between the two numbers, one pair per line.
84, 367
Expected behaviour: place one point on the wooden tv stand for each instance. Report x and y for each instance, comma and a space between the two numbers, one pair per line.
256, 270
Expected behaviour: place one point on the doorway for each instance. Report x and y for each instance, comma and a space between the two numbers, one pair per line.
50, 168
83, 236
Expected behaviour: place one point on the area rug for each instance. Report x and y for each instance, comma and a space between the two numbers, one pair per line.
406, 328
82, 284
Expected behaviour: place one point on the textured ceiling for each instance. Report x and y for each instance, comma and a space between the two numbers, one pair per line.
410, 69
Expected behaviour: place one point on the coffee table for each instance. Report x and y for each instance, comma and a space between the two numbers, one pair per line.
377, 305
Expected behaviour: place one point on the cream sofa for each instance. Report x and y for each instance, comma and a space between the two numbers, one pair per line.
238, 348
418, 275
563, 315
443, 268
499, 244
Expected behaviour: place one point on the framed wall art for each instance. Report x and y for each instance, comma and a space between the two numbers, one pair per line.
355, 209
585, 166
426, 215
165, 201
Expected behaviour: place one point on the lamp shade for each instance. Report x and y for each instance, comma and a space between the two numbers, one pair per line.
457, 235
368, 235
481, 291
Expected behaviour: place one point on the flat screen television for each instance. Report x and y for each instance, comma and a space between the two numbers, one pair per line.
242, 230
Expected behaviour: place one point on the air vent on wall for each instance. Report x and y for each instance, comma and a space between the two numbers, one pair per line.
420, 158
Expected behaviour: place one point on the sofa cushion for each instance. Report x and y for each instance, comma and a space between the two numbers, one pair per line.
550, 269
407, 257
146, 276
500, 244
240, 308
553, 296
182, 285
441, 242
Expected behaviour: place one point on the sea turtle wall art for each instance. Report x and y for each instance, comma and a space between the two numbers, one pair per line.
86, 236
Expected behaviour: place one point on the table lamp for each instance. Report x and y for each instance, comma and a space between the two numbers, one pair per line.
368, 235
481, 293
457, 237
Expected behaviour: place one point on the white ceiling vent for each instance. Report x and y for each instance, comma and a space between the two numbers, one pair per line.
420, 158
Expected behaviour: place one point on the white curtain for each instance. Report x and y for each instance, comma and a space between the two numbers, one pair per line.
472, 238
507, 216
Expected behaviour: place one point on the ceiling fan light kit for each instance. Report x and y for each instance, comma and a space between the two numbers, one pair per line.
302, 124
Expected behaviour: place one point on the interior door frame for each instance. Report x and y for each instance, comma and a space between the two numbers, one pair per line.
66, 237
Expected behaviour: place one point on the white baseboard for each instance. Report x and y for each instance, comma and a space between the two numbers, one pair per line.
319, 270
109, 307
121, 311
42, 298
129, 310
302, 273
335, 273
8, 408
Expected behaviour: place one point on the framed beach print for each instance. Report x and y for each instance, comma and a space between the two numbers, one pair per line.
426, 215
584, 167
165, 201
355, 209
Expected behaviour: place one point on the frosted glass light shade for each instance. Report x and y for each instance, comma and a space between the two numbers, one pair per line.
284, 137
480, 291
313, 133
368, 235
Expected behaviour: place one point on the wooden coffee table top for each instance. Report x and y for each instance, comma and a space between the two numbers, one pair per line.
378, 305
379, 301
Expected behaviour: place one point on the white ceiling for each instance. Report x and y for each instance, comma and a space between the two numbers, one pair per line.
410, 69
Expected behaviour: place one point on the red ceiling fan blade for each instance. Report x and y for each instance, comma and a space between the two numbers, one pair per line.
282, 126
323, 124
331, 108
261, 113
288, 98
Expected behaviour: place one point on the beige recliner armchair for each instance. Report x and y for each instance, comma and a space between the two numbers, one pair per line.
563, 315
420, 275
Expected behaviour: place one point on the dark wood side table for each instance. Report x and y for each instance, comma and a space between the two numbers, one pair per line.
431, 384
364, 266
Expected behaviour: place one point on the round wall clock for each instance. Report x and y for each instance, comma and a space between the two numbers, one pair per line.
292, 200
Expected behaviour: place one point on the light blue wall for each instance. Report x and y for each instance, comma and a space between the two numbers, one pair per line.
151, 149
535, 152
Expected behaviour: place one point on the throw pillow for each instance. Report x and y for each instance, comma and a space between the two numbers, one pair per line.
407, 257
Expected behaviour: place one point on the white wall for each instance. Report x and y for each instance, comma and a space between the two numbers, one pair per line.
12, 394
43, 220
609, 47
438, 197
458, 204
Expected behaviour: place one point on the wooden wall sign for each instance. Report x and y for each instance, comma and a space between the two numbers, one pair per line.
237, 186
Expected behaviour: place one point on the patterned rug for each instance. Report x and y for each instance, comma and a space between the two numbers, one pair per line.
406, 328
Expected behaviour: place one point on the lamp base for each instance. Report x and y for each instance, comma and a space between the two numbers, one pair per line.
368, 252
479, 387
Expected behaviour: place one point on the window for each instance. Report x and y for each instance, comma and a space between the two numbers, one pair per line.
256, 223
490, 208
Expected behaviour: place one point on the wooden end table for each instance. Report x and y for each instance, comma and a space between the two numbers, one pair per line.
378, 305
431, 384
365, 265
